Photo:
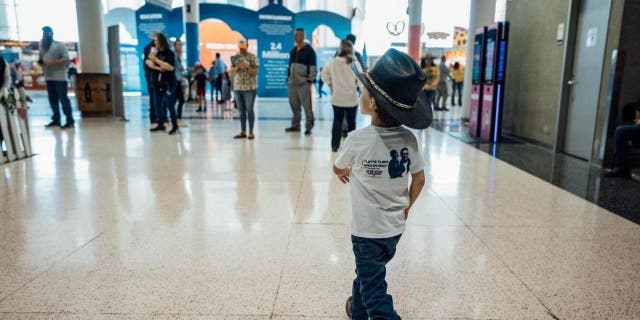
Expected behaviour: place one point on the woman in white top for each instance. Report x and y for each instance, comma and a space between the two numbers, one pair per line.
342, 82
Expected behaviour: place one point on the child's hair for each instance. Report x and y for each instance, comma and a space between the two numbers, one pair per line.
200, 68
386, 118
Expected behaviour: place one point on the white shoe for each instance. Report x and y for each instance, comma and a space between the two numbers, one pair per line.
181, 124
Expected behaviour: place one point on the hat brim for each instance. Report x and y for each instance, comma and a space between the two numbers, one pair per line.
419, 117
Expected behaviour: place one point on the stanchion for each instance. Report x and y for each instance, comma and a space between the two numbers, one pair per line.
14, 127
6, 134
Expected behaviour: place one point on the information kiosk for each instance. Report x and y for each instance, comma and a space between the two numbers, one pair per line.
493, 82
476, 85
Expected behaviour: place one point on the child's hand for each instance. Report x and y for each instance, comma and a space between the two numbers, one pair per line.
343, 174
344, 177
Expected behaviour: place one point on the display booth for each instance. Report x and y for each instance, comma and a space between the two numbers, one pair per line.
269, 31
476, 81
487, 91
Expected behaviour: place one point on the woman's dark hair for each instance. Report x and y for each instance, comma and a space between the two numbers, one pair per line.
423, 61
456, 65
346, 51
162, 40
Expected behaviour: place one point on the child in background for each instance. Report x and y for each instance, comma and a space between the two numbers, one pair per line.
380, 161
225, 90
201, 85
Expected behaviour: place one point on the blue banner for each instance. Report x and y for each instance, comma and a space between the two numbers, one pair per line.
275, 38
149, 19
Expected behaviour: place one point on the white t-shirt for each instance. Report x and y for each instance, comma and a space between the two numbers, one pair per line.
381, 161
337, 73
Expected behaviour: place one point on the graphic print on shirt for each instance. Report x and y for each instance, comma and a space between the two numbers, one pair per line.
399, 164
399, 167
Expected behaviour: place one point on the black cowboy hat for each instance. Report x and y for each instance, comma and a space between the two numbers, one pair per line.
396, 82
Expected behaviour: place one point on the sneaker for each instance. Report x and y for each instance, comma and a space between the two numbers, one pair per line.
240, 135
348, 306
52, 125
174, 130
334, 149
307, 132
292, 129
444, 109
181, 124
68, 125
251, 136
157, 128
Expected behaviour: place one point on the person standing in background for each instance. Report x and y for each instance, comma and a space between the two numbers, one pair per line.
245, 84
433, 77
54, 58
220, 68
443, 89
148, 75
201, 88
162, 60
342, 82
300, 77
181, 82
457, 74
212, 79
73, 71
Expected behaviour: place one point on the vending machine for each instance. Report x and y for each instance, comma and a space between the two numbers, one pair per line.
496, 37
476, 85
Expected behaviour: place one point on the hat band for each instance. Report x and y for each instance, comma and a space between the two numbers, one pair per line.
386, 95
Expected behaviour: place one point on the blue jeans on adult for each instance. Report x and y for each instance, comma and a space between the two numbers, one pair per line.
369, 292
457, 87
165, 99
152, 101
57, 91
624, 136
245, 100
431, 98
339, 113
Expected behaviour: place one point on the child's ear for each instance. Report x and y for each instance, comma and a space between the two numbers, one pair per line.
372, 104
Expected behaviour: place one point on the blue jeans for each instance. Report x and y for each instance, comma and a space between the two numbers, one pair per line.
369, 292
339, 113
457, 87
165, 99
624, 136
245, 100
57, 92
431, 98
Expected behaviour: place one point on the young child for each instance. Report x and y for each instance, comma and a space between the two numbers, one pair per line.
225, 90
378, 161
201, 81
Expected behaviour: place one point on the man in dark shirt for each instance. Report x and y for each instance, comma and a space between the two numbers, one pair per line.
301, 75
625, 135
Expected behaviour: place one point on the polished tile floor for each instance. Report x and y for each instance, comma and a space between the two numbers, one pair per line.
109, 221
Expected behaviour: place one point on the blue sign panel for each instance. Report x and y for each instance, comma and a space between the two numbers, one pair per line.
275, 38
149, 19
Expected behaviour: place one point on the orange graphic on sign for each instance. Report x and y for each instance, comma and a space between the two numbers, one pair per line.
217, 36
